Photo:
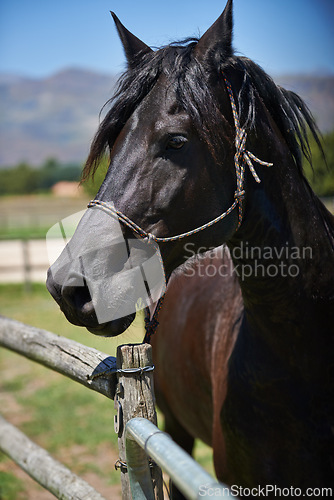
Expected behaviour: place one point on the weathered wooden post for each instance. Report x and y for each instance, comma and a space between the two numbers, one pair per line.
135, 398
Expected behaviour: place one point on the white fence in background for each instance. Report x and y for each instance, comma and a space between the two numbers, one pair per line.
24, 261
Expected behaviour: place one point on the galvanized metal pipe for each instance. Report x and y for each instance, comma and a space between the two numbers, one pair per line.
190, 478
139, 471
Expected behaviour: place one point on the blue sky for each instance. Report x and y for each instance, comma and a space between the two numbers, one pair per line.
40, 37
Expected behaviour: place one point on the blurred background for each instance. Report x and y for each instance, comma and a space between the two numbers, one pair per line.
59, 62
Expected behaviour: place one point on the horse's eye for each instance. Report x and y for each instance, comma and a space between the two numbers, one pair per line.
176, 142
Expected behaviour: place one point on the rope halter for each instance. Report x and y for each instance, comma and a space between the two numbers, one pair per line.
242, 157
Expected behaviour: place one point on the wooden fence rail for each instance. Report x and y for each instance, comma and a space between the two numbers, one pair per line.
44, 469
79, 362
128, 378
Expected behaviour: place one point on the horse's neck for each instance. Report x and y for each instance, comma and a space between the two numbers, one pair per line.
284, 256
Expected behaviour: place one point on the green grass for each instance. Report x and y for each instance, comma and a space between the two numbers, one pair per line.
55, 412
23, 233
10, 486
87, 417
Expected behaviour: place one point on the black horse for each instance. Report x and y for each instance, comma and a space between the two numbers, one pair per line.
200, 138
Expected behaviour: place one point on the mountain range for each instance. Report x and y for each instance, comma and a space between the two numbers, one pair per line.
58, 116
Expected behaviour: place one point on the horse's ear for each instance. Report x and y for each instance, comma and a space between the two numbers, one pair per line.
133, 47
218, 38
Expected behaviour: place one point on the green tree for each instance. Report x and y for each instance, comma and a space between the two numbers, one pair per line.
22, 179
52, 172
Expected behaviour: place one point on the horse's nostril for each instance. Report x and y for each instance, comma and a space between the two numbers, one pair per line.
80, 298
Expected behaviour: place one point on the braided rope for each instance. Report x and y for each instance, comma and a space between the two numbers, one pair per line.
106, 207
110, 210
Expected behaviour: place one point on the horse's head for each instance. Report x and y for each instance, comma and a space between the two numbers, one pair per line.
171, 140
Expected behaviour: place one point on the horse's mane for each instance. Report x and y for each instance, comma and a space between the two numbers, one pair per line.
192, 84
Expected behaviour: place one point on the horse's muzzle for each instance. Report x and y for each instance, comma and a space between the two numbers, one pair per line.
76, 304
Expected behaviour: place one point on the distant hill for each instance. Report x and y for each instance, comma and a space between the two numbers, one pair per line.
52, 117
318, 93
58, 116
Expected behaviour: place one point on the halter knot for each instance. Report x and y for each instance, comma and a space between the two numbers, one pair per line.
239, 194
149, 238
242, 156
151, 326
240, 140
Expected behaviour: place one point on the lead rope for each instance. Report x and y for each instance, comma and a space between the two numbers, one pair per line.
242, 157
151, 324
